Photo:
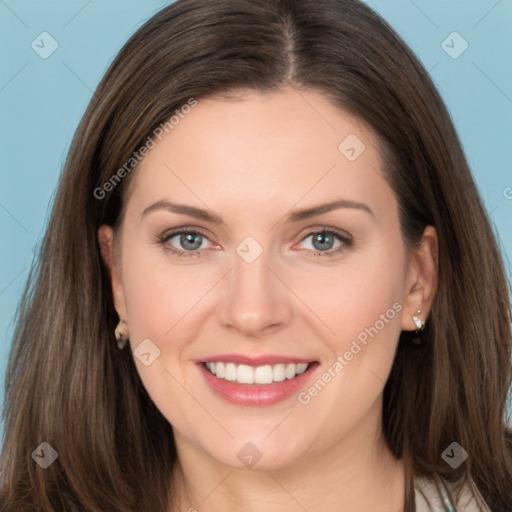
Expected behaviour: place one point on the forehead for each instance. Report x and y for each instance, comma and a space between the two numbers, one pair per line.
256, 149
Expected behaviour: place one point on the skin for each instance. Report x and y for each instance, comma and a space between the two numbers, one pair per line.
251, 159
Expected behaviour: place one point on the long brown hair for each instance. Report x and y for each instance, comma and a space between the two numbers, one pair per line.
67, 382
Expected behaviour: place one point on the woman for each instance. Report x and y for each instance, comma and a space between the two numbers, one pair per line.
366, 370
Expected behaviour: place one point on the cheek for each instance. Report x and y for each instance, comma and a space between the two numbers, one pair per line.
160, 303
158, 293
360, 305
357, 298
363, 308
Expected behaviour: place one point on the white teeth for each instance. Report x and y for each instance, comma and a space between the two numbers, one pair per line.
290, 371
245, 374
219, 369
302, 367
230, 371
263, 374
278, 373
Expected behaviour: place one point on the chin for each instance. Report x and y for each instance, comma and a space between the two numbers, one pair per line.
259, 454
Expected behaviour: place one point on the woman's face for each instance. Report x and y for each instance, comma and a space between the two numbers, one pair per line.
267, 279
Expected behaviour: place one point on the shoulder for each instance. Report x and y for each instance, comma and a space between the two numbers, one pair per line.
429, 497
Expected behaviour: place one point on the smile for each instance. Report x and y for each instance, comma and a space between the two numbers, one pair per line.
256, 382
245, 374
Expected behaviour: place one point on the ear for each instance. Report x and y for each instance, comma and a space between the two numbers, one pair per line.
110, 258
421, 279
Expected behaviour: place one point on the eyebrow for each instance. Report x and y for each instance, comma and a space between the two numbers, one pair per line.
294, 216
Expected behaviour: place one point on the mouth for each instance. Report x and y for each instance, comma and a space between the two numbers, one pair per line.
258, 383
265, 374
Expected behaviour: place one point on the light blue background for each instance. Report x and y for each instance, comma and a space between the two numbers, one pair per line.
42, 100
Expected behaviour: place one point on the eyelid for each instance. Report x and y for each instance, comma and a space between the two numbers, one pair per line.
184, 229
311, 230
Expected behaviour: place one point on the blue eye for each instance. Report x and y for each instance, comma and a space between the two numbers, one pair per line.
323, 241
191, 240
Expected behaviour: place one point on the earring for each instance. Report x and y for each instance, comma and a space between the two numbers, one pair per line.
417, 322
121, 334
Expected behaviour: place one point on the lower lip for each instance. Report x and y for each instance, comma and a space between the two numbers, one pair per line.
256, 395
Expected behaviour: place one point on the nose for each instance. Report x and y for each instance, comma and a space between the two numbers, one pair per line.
255, 300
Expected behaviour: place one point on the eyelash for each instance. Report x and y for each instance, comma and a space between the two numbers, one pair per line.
346, 242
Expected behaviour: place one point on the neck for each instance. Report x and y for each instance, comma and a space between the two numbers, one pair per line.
356, 474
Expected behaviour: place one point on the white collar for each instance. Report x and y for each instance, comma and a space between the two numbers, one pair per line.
429, 499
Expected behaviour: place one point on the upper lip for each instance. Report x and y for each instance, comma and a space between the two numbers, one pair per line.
270, 359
